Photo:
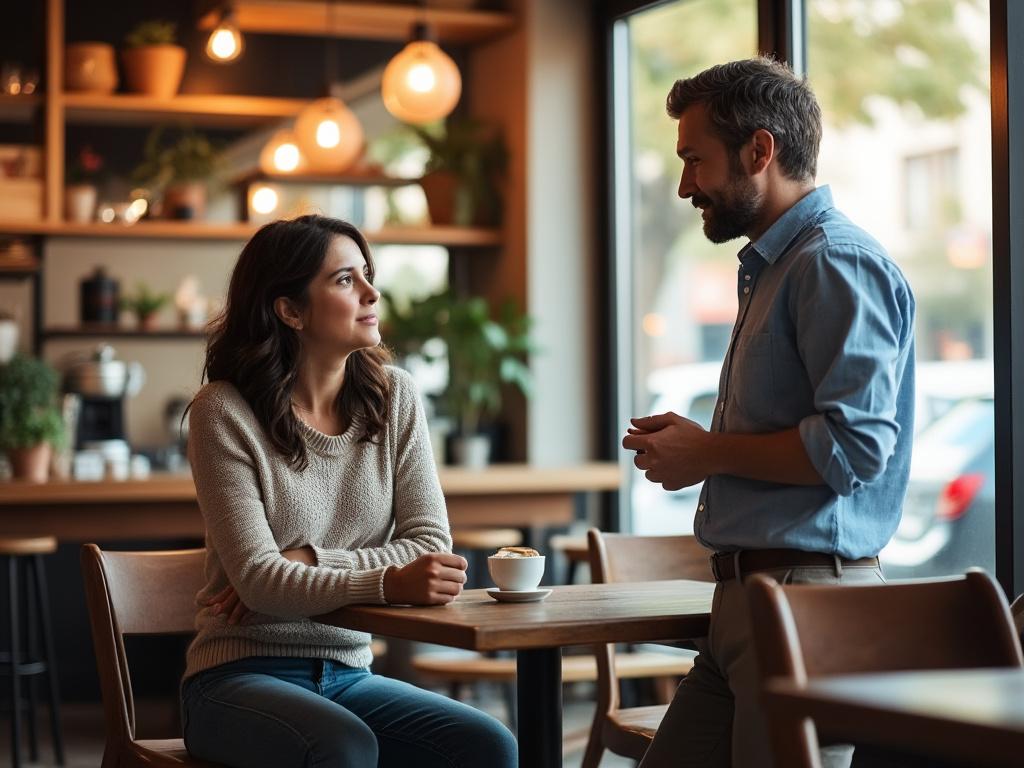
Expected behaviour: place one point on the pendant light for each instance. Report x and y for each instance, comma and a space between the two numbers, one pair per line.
225, 43
281, 155
421, 83
329, 135
327, 131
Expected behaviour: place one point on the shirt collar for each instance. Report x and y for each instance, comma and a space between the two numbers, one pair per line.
773, 243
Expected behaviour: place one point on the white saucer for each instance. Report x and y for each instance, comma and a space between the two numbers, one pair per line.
519, 596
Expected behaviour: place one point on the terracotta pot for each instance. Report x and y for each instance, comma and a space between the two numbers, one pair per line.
90, 67
148, 322
79, 202
155, 70
185, 200
446, 199
31, 464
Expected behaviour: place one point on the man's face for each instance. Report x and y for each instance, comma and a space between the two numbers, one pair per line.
714, 179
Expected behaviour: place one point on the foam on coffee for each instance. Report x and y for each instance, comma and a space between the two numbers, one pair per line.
513, 552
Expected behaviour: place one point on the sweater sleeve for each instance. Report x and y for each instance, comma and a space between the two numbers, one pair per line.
421, 518
229, 491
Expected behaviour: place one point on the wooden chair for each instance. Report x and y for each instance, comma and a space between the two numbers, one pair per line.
137, 593
804, 631
624, 558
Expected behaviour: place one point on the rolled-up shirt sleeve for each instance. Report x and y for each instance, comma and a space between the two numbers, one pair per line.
853, 314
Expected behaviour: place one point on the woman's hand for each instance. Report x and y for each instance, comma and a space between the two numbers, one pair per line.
227, 602
432, 579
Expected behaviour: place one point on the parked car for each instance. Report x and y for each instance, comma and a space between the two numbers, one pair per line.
948, 522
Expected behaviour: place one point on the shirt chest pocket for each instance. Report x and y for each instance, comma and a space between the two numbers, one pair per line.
752, 382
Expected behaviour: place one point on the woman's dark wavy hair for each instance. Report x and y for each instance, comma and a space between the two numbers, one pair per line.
253, 349
743, 96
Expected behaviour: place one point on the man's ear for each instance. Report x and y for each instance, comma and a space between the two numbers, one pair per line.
287, 313
762, 150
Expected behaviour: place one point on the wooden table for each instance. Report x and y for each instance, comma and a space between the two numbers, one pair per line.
974, 716
511, 495
582, 614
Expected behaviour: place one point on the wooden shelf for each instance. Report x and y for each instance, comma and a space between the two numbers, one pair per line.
190, 230
18, 109
208, 110
338, 179
119, 332
371, 21
17, 270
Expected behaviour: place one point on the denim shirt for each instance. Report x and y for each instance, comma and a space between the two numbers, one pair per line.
823, 341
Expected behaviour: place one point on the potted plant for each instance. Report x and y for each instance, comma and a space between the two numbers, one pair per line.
466, 161
30, 421
145, 304
80, 189
484, 354
178, 163
153, 63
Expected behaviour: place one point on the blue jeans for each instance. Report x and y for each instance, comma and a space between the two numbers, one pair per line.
282, 712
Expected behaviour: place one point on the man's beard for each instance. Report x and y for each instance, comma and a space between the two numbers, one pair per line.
736, 210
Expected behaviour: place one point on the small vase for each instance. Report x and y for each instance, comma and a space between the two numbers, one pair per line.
471, 451
79, 203
31, 464
147, 323
8, 340
90, 68
185, 200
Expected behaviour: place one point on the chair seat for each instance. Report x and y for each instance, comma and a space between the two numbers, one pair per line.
26, 545
163, 752
470, 669
629, 732
573, 547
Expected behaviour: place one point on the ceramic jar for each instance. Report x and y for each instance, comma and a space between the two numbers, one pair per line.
90, 67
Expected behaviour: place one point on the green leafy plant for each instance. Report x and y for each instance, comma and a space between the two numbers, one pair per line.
475, 153
179, 155
29, 413
144, 302
484, 353
153, 32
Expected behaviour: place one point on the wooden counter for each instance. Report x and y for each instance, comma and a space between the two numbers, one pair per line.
515, 495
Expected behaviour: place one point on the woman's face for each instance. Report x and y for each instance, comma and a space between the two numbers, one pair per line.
341, 316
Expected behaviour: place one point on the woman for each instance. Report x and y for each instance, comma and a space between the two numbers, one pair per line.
316, 480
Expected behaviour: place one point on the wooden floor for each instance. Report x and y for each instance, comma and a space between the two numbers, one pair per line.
83, 734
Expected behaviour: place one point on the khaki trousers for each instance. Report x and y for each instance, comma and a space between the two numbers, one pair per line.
715, 718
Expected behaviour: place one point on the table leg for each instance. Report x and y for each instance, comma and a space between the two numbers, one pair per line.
539, 705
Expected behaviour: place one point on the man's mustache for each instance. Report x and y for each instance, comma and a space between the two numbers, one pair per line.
700, 201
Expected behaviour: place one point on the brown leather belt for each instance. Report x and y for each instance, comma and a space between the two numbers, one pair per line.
723, 564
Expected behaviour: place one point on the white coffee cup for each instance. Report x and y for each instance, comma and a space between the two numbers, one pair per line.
516, 574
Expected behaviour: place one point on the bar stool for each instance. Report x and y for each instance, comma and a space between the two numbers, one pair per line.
24, 554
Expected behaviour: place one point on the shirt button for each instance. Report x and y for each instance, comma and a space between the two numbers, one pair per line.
700, 507
746, 289
746, 277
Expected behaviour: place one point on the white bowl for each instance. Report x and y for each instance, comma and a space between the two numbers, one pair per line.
516, 574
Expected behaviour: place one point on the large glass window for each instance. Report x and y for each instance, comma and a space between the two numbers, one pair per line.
677, 289
907, 152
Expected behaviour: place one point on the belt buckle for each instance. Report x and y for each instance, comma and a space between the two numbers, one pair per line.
714, 567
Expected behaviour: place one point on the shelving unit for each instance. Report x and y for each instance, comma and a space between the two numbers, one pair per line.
119, 332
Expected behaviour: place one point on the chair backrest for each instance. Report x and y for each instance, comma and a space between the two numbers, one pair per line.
619, 557
135, 593
803, 631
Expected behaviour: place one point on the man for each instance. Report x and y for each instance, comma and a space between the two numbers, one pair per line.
806, 462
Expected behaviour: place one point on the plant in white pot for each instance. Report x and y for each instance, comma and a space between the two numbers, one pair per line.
484, 355
81, 185
30, 418
153, 62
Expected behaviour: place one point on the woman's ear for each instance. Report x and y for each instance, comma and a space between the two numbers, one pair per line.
287, 313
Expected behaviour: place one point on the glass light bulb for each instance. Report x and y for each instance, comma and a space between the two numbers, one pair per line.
264, 200
421, 78
286, 157
223, 44
328, 133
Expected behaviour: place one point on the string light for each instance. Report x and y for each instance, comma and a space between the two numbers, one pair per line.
225, 43
421, 84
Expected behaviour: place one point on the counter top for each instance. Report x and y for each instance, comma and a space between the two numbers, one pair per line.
505, 479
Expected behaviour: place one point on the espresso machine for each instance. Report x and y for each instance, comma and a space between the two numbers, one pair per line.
103, 384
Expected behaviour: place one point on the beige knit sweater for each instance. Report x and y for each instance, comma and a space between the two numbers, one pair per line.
360, 506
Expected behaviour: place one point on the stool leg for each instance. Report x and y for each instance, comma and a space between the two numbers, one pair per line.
43, 596
31, 654
12, 571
